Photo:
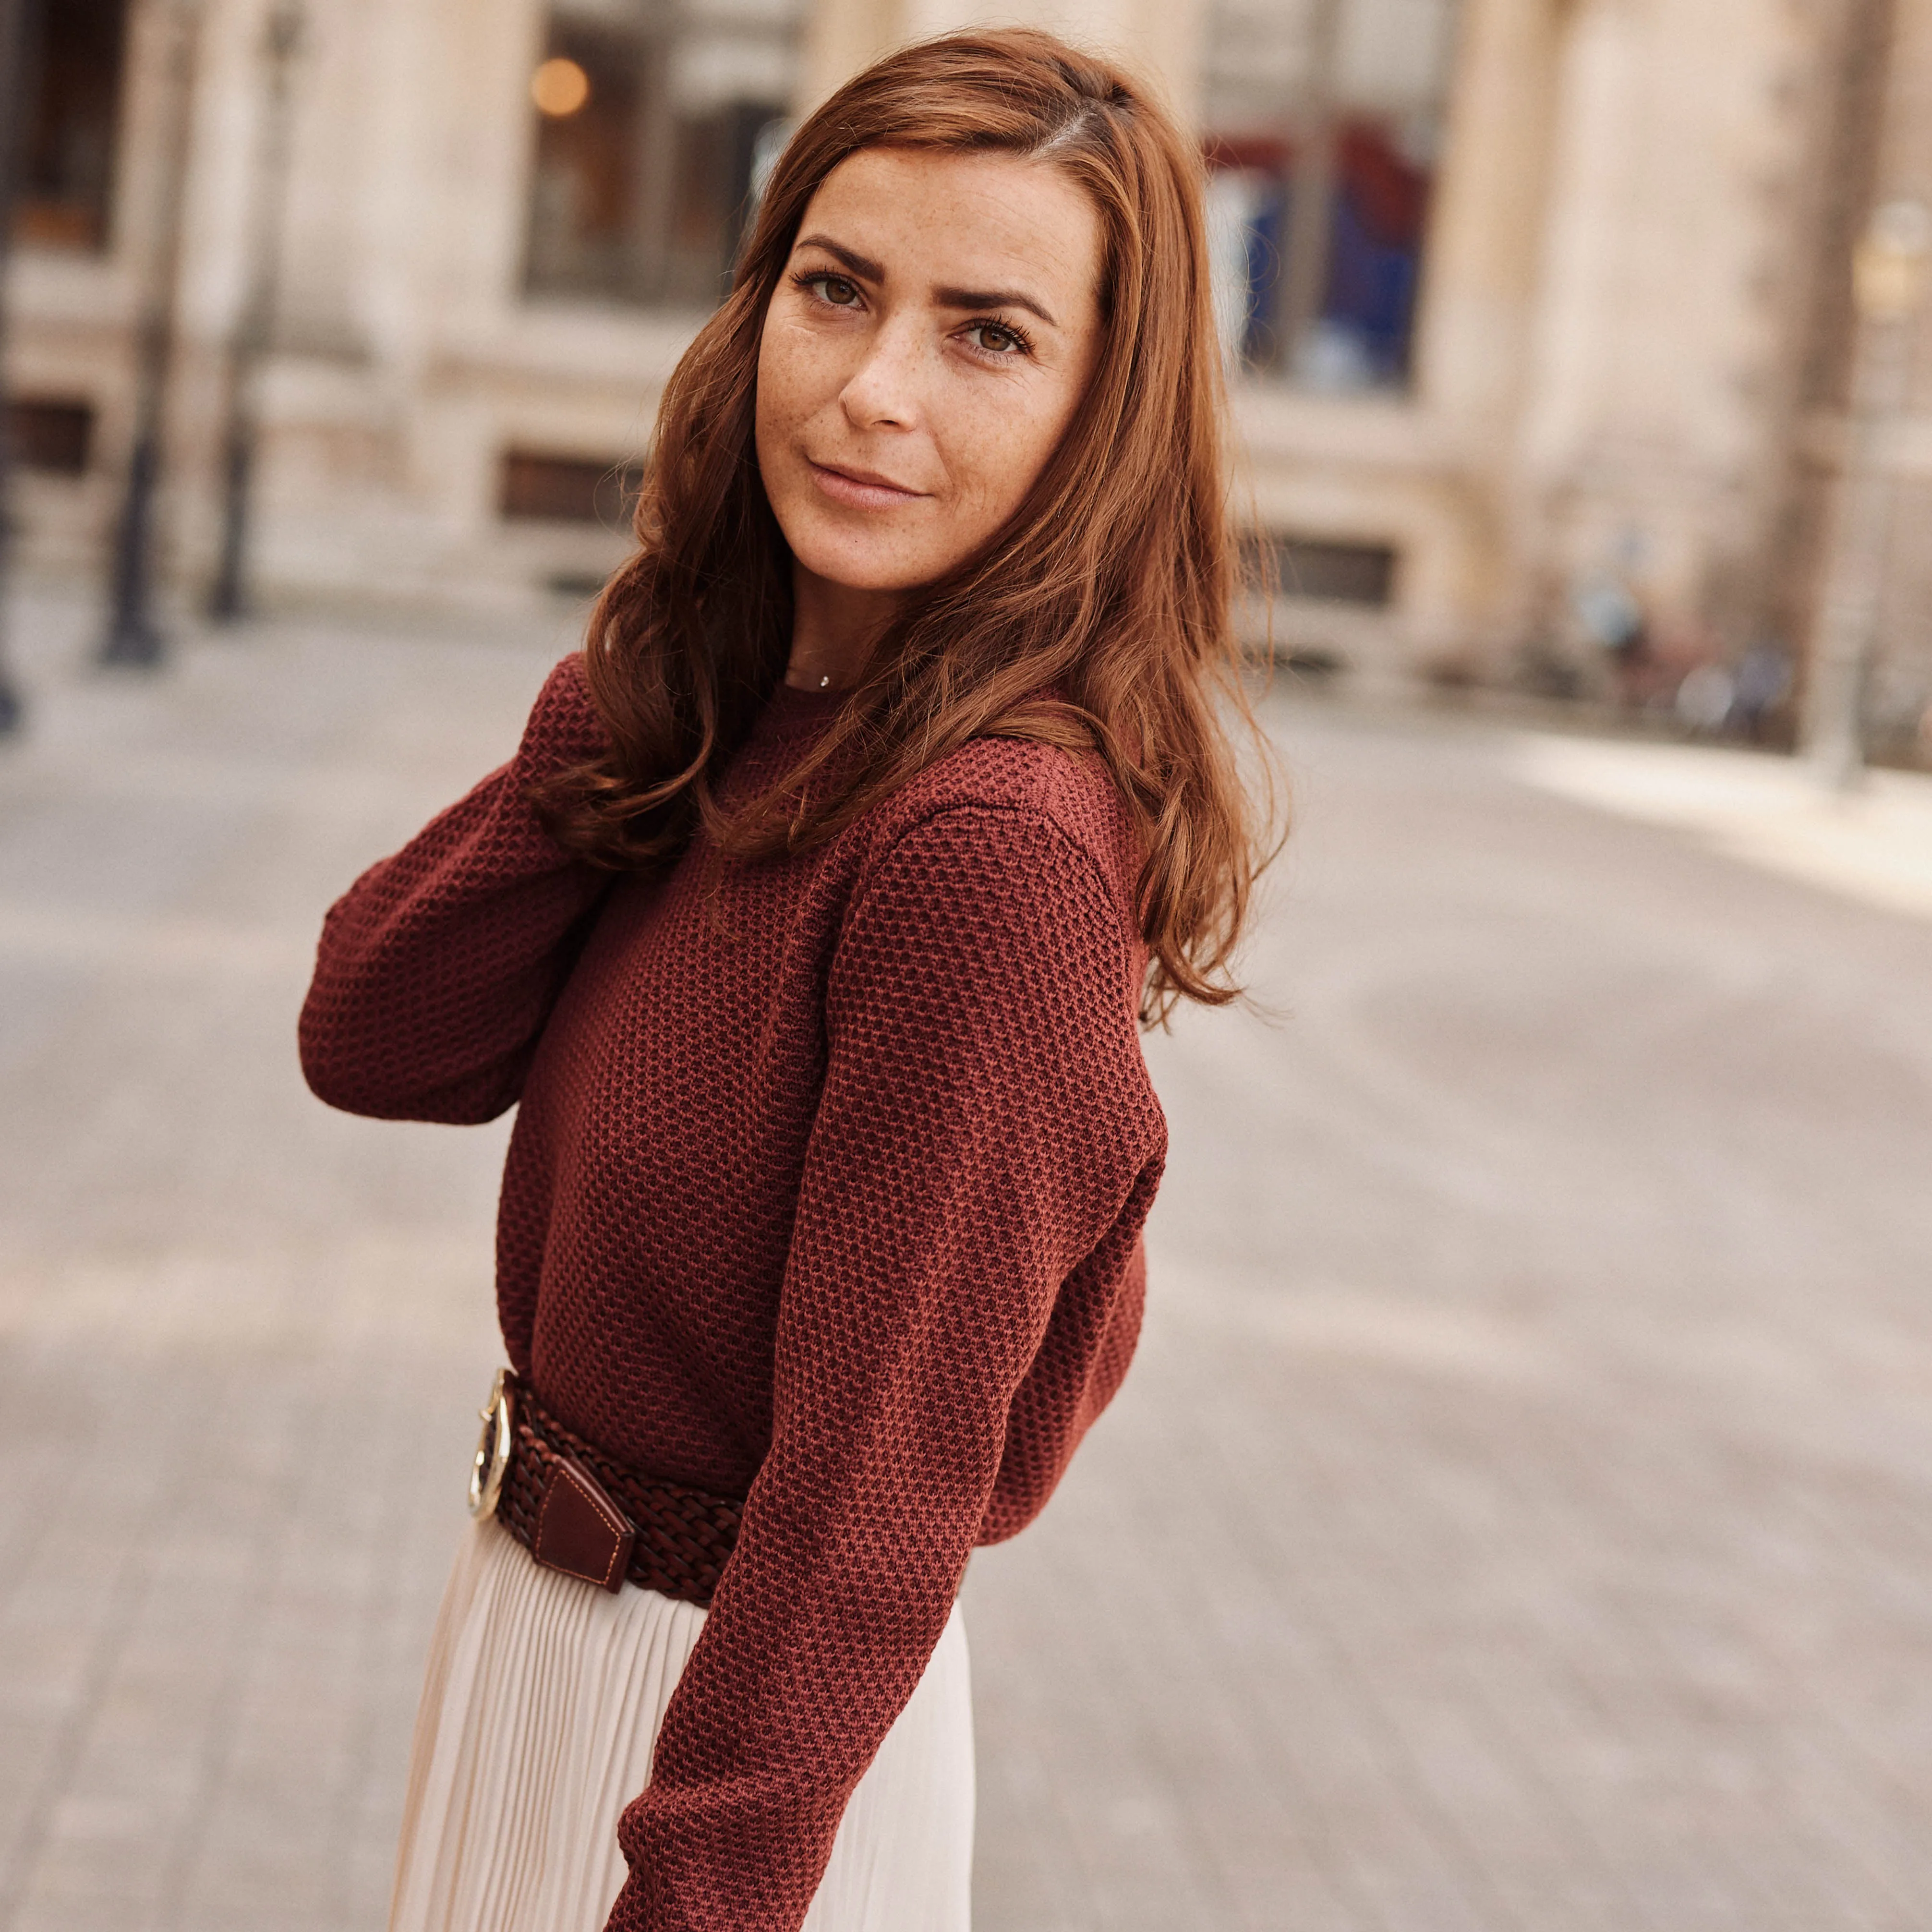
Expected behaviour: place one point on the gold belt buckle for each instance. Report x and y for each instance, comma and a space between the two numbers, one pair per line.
492, 1448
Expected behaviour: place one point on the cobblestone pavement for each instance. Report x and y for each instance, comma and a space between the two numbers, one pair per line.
1518, 1520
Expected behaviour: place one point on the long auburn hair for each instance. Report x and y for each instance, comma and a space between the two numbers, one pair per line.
1098, 619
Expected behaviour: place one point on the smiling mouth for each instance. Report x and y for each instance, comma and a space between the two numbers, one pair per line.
860, 488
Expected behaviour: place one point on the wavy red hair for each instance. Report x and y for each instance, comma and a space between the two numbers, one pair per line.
1098, 619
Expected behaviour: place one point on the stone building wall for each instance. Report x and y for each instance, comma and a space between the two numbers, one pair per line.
1626, 359
1901, 704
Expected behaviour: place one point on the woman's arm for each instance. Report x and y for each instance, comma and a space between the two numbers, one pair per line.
439, 966
986, 1148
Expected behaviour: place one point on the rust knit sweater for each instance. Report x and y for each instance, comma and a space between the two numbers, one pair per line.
826, 1187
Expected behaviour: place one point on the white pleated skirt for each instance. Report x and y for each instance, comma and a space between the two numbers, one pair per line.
540, 1709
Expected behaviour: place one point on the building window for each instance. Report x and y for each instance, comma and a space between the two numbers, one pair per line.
1309, 569
545, 489
75, 54
651, 128
1325, 121
54, 437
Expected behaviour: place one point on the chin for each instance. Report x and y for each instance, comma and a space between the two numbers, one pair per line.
860, 567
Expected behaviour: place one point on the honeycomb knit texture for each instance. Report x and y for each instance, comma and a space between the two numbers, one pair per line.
825, 1188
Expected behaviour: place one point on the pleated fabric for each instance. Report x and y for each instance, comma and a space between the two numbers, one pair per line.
540, 1709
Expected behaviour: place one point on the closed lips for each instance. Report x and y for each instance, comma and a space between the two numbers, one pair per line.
858, 483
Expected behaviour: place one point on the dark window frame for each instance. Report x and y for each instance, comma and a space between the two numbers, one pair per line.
671, 193
1359, 574
51, 435
542, 486
1339, 206
76, 72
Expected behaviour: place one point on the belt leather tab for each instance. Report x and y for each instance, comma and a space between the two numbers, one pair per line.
680, 1539
580, 1530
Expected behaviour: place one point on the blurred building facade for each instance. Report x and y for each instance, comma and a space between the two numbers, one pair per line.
1540, 308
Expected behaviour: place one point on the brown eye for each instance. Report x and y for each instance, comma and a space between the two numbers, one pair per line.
834, 288
996, 339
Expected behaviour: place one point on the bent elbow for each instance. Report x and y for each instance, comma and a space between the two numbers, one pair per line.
344, 1066
337, 1074
365, 1077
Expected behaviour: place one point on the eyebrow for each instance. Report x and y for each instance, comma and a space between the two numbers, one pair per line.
868, 270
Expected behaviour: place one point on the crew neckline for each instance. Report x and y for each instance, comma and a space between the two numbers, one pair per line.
790, 709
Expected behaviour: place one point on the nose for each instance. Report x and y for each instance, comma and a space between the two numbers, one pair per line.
883, 391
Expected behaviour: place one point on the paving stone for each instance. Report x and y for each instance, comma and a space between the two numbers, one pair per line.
1519, 1519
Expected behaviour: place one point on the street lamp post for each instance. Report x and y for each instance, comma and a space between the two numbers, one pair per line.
13, 130
133, 636
228, 598
1891, 271
1311, 213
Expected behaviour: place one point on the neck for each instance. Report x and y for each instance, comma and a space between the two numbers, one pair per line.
833, 629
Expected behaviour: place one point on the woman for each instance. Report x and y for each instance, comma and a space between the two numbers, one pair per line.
809, 928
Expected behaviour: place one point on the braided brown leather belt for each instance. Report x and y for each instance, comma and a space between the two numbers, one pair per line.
577, 1511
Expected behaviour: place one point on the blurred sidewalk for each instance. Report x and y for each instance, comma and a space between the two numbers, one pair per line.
241, 1337
1873, 844
1519, 1519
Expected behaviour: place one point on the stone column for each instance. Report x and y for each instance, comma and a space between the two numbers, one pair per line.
1485, 263
1649, 416
1868, 644
1485, 227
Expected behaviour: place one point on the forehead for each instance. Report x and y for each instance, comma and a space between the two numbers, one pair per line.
983, 221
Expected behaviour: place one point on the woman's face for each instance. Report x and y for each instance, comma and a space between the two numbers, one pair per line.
934, 331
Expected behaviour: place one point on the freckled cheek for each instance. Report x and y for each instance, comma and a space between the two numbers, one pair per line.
791, 378
994, 466
777, 463
771, 412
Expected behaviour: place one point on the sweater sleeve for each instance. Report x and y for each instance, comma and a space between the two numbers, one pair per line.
985, 1127
439, 966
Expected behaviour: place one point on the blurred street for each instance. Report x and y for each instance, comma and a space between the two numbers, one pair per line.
1519, 1519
